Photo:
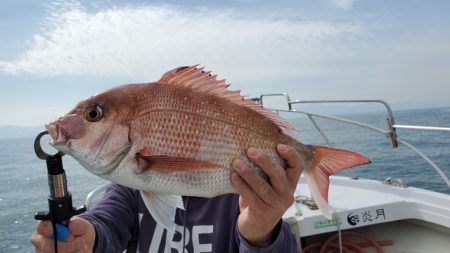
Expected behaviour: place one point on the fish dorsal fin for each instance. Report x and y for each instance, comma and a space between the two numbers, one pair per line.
197, 78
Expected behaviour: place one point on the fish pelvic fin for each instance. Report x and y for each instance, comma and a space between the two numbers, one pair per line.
326, 162
196, 78
162, 208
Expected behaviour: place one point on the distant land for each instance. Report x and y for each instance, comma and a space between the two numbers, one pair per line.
12, 132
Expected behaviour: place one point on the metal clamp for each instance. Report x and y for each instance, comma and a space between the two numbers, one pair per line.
39, 151
60, 199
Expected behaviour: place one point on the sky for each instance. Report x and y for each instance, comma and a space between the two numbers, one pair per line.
55, 53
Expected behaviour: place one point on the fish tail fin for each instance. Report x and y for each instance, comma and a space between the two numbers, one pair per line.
326, 162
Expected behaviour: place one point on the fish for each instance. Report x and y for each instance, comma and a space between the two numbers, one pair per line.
178, 137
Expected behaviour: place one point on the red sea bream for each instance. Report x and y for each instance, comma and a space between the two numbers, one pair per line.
179, 136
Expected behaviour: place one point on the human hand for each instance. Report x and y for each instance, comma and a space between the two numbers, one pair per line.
262, 204
80, 240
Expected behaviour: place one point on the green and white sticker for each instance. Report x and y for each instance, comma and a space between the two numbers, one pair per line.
326, 223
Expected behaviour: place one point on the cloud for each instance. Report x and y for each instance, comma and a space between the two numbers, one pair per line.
343, 4
146, 41
368, 57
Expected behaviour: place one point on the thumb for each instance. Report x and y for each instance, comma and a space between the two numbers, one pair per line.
79, 226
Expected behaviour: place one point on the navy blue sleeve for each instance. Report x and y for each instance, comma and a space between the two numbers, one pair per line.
283, 241
114, 218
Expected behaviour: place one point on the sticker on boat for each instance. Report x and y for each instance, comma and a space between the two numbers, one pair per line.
366, 216
326, 223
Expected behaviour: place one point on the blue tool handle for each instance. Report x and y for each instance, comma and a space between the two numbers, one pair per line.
62, 232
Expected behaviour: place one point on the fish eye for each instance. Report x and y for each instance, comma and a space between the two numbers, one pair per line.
93, 113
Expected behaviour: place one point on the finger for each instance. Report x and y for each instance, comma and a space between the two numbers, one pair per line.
45, 244
275, 172
44, 228
247, 195
39, 242
70, 247
79, 226
42, 244
257, 184
83, 247
294, 164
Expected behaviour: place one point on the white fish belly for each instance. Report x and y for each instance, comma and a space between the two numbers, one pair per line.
201, 182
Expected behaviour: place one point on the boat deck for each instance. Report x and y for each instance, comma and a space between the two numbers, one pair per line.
362, 202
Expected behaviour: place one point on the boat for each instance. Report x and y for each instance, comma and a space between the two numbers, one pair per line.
368, 215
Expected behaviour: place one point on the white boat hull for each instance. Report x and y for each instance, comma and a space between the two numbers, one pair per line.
416, 220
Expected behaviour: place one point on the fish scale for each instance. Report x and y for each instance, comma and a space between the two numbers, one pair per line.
179, 136
187, 143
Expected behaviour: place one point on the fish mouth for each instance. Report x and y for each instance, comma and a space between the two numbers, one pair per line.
58, 134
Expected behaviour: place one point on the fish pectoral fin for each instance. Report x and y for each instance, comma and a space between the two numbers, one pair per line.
167, 164
162, 207
326, 162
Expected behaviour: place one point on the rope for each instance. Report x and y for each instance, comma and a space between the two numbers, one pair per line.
339, 233
349, 246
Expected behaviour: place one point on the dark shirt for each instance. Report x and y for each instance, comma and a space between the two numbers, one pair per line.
206, 225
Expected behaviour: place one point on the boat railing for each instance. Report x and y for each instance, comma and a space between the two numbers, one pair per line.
390, 132
89, 202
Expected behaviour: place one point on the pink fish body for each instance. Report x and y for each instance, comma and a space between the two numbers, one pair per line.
178, 136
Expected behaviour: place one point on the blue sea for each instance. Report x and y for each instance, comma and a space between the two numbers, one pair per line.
23, 178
